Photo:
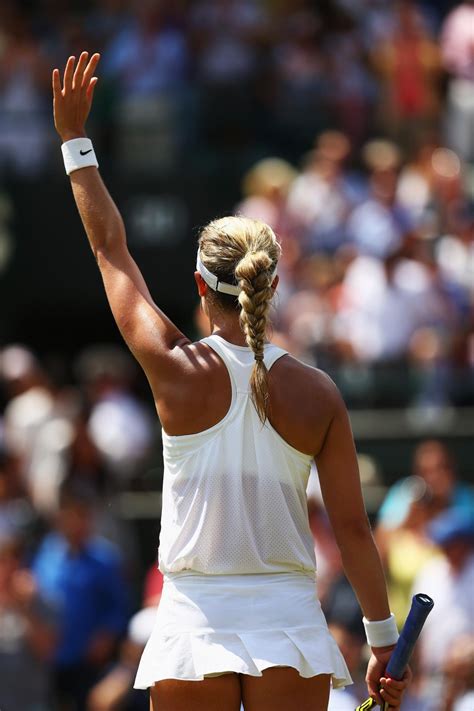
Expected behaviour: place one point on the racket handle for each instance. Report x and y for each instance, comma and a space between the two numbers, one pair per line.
421, 607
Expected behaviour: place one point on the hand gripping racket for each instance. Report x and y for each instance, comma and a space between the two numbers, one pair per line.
421, 606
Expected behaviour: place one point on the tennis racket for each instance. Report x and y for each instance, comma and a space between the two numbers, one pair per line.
421, 606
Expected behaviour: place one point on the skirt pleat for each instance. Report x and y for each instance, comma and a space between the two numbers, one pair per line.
208, 625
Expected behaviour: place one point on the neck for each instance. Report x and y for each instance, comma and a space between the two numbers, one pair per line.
227, 326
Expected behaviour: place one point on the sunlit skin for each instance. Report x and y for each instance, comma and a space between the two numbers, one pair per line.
306, 410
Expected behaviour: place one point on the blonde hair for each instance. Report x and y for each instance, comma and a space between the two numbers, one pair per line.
244, 251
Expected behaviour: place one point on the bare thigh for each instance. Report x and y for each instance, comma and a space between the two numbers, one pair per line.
218, 693
283, 689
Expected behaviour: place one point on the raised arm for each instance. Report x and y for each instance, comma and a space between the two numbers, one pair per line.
342, 494
148, 332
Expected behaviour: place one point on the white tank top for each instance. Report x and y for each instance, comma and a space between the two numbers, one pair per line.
234, 495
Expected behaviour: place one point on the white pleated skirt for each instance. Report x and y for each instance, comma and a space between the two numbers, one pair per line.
212, 624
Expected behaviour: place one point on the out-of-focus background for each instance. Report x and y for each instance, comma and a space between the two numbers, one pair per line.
347, 126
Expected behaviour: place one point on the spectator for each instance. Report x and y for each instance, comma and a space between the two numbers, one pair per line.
397, 291
301, 81
30, 401
266, 187
25, 131
116, 688
457, 41
458, 683
352, 88
119, 425
227, 35
17, 515
147, 57
450, 581
352, 646
406, 548
345, 622
409, 60
27, 634
82, 574
39, 426
146, 66
378, 225
323, 196
433, 464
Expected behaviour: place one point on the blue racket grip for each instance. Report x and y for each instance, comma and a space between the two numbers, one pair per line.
421, 606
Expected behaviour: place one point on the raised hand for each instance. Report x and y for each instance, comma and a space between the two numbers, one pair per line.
72, 102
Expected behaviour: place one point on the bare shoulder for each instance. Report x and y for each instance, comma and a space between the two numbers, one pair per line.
304, 401
308, 382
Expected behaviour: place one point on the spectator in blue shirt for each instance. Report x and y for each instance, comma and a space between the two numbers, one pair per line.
82, 574
434, 480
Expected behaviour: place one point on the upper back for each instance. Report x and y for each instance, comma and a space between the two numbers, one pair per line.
301, 398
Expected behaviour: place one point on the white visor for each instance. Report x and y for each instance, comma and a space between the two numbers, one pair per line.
212, 281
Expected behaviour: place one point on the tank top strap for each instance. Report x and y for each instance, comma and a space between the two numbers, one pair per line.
272, 354
240, 360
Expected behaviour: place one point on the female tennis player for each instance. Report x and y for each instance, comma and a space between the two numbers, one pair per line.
239, 619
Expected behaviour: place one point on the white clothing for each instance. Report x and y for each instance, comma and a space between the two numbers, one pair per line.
465, 703
234, 495
210, 624
236, 550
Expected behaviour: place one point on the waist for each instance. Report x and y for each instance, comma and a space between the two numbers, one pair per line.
242, 580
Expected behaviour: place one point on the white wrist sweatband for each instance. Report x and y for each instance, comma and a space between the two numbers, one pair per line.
381, 633
78, 153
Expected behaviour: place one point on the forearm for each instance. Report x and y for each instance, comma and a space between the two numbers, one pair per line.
364, 571
99, 214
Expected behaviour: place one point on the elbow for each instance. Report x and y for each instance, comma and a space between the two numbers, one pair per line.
108, 247
110, 239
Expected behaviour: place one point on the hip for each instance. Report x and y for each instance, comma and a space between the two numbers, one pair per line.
192, 601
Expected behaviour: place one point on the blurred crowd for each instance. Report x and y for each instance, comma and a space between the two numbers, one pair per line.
354, 122
354, 125
78, 597
377, 273
254, 75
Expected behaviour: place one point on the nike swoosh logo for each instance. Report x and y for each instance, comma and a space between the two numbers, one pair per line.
84, 153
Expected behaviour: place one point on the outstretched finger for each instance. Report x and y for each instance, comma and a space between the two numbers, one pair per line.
56, 81
89, 72
78, 74
90, 88
68, 74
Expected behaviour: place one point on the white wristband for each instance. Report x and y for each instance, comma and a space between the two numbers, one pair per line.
78, 153
381, 633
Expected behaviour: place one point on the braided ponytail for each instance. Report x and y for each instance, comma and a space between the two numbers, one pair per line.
253, 273
245, 251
